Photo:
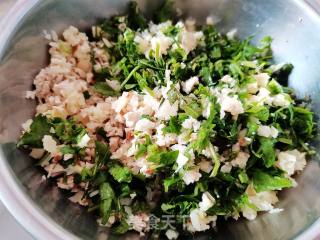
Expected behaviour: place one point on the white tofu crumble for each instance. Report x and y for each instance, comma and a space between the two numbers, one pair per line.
191, 176
241, 160
189, 84
200, 221
167, 110
267, 131
172, 234
144, 125
26, 125
49, 144
84, 141
207, 201
262, 79
291, 161
230, 104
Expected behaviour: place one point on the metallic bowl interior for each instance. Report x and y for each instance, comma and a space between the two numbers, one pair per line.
43, 210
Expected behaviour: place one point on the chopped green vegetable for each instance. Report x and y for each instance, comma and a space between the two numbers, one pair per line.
39, 127
263, 181
104, 89
120, 174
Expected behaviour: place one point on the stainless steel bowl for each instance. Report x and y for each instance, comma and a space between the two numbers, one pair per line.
43, 210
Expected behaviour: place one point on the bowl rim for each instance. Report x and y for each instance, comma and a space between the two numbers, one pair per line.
29, 215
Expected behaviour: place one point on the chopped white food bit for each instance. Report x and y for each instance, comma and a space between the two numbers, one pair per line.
286, 162
264, 200
301, 159
241, 160
232, 33
205, 166
262, 79
191, 176
52, 130
131, 118
191, 123
67, 156
172, 234
144, 125
54, 169
188, 85
84, 141
189, 40
252, 88
207, 201
160, 44
249, 213
226, 168
232, 105
229, 80
280, 100
94, 193
114, 84
49, 144
267, 131
167, 110
200, 221
26, 125
164, 139
30, 94
133, 195
36, 153
66, 184
151, 102
291, 161
121, 102
181, 161
139, 222
79, 198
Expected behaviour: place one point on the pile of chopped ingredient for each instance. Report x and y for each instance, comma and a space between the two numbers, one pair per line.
160, 127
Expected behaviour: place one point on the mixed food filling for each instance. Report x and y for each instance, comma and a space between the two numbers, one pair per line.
163, 127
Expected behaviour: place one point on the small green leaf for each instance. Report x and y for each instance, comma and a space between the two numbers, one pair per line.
274, 87
268, 151
105, 210
68, 150
168, 158
206, 76
192, 108
104, 89
107, 197
174, 126
121, 174
169, 182
102, 152
243, 177
122, 228
264, 182
39, 127
106, 191
259, 112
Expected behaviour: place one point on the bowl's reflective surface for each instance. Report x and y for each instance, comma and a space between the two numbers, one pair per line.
295, 29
